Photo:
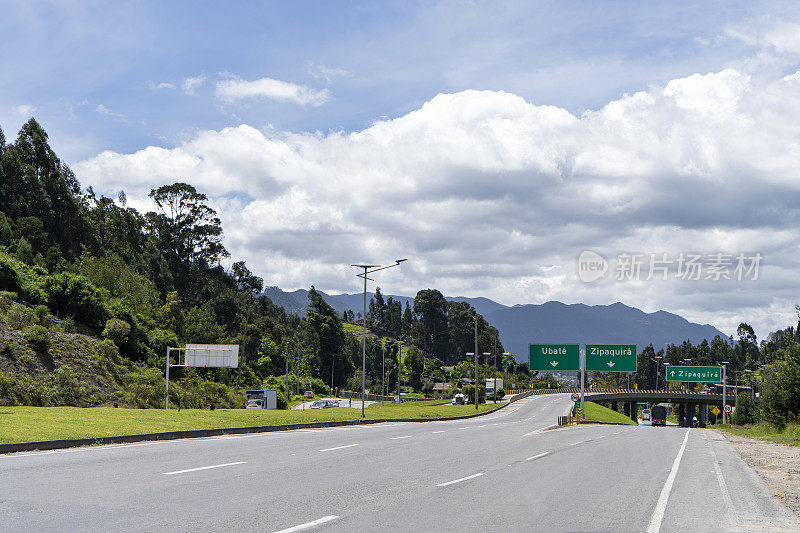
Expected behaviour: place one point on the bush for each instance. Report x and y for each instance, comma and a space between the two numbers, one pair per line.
39, 338
41, 315
20, 317
9, 278
283, 403
745, 409
72, 294
161, 339
117, 331
68, 325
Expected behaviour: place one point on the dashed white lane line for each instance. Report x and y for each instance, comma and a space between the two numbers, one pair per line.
309, 525
403, 437
661, 505
576, 443
440, 431
338, 447
473, 476
203, 468
537, 456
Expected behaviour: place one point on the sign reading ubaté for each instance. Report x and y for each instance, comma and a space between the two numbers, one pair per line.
554, 356
611, 357
695, 374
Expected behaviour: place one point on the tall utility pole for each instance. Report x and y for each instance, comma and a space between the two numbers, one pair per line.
374, 268
475, 318
399, 368
724, 391
383, 370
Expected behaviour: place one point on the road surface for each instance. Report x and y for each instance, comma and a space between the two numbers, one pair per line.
499, 472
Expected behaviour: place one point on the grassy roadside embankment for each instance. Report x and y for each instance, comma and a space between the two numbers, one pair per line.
598, 413
25, 424
789, 435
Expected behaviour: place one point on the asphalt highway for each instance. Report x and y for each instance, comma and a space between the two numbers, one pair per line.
499, 472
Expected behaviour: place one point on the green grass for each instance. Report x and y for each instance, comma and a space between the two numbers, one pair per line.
789, 435
598, 413
24, 424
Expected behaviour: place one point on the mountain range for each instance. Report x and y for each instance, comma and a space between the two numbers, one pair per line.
550, 322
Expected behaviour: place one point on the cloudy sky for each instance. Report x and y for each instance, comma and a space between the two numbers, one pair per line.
490, 145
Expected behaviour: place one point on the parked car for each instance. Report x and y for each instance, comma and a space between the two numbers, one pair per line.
324, 404
255, 404
309, 394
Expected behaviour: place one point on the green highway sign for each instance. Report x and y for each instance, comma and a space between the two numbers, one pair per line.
554, 356
611, 358
696, 374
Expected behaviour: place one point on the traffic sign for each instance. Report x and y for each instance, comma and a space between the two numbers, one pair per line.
728, 409
715, 410
696, 374
554, 356
575, 397
611, 357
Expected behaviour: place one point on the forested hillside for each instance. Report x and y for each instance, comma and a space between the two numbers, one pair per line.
95, 290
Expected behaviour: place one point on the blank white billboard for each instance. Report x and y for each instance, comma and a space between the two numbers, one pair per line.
212, 355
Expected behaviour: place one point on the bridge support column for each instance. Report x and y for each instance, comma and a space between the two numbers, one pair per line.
682, 415
632, 411
702, 417
614, 406
689, 414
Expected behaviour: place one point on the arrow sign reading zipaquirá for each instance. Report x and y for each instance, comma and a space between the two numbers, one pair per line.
554, 356
696, 374
611, 357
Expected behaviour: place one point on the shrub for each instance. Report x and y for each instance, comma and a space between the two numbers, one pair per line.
117, 331
72, 294
39, 338
41, 315
161, 339
9, 278
745, 409
282, 402
20, 317
68, 325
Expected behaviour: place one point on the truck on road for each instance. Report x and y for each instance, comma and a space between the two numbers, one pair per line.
658, 415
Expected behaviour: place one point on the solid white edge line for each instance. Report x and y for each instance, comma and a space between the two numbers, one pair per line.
403, 437
309, 525
338, 448
661, 505
203, 468
473, 476
537, 456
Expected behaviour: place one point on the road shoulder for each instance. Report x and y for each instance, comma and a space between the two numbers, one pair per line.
778, 465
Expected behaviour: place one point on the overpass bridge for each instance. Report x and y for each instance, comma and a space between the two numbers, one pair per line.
689, 404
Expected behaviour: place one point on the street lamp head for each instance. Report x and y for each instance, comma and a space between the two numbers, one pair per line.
398, 261
486, 353
470, 353
725, 362
506, 353
659, 357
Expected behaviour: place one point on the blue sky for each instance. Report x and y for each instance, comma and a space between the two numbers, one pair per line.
387, 58
490, 143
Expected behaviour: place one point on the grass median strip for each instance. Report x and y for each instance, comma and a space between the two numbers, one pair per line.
26, 424
789, 434
598, 413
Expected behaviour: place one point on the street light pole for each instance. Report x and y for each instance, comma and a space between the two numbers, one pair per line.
724, 391
367, 270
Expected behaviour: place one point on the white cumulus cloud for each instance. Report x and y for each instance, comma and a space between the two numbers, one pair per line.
488, 194
24, 109
236, 89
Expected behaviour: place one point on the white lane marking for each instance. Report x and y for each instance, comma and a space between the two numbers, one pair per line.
576, 443
403, 437
726, 496
338, 447
601, 437
537, 456
440, 431
309, 525
661, 505
473, 476
203, 468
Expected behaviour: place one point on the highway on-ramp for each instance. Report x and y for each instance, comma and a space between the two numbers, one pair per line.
501, 471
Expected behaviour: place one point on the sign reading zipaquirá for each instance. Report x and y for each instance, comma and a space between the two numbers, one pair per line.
696, 374
611, 357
